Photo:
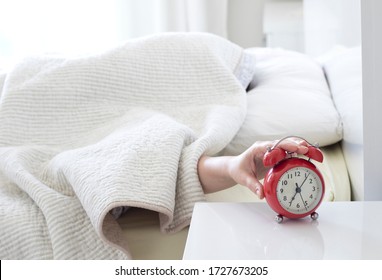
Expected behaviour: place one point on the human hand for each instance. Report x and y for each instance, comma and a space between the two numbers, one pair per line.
247, 168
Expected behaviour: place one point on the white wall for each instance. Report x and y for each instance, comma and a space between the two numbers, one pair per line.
284, 25
372, 96
328, 23
245, 22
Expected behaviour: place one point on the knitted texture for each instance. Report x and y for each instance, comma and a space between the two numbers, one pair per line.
81, 136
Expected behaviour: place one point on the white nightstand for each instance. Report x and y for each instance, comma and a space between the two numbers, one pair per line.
344, 230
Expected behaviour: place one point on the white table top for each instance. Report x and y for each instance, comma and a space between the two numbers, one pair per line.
344, 230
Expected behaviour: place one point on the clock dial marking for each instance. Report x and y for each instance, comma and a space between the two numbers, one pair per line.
301, 183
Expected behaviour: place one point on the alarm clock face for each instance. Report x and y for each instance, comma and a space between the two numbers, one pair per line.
299, 190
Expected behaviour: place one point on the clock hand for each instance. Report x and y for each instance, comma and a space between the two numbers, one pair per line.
297, 190
303, 202
304, 181
290, 202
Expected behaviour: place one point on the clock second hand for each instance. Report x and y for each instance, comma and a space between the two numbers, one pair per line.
303, 202
306, 177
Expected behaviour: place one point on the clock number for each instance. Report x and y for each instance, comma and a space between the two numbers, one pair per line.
298, 190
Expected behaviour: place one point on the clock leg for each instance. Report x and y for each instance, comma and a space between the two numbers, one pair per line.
279, 218
314, 216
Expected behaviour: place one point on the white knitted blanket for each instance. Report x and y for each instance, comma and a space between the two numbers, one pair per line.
81, 136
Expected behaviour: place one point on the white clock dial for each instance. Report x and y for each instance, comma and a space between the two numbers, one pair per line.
299, 190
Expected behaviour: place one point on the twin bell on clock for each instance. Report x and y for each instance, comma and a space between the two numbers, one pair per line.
293, 187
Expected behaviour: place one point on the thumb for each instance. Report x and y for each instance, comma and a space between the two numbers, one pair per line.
255, 186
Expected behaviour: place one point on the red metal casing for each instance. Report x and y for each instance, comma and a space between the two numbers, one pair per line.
271, 180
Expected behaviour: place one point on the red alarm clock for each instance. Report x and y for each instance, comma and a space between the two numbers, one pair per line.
293, 187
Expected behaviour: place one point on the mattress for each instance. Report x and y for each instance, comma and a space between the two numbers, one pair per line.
141, 227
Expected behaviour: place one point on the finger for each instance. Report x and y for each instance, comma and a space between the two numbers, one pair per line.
302, 146
260, 191
295, 146
255, 186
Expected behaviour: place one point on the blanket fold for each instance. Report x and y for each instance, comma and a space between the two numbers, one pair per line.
82, 136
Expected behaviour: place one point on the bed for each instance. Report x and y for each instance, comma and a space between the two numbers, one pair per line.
58, 143
297, 77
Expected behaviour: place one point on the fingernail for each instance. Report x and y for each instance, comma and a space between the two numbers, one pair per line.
257, 191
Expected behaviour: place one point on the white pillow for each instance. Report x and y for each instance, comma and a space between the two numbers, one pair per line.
344, 74
290, 96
